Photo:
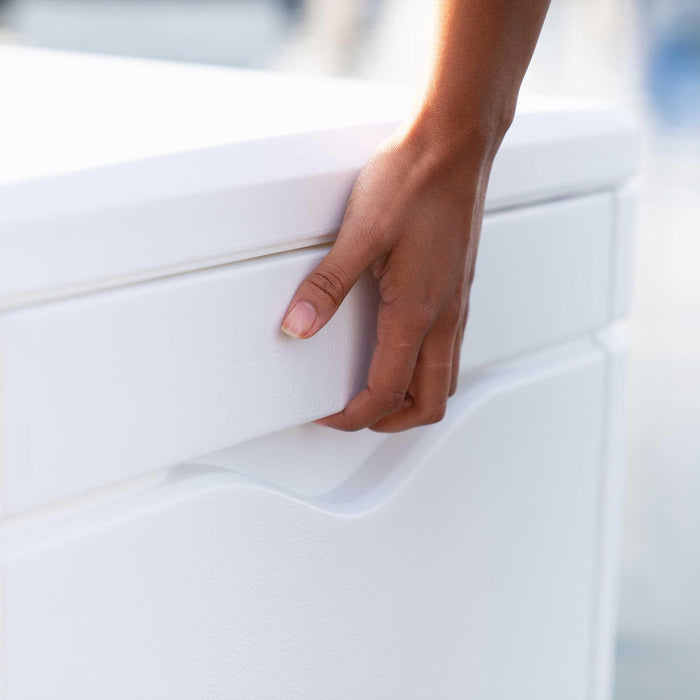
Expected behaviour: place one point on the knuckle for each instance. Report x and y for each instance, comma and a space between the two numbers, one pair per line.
434, 414
390, 399
453, 314
391, 292
413, 312
415, 318
425, 314
327, 283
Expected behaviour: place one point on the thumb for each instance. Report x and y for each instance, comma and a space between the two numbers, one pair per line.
320, 295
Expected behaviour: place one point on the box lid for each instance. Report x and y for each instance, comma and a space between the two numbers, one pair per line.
114, 170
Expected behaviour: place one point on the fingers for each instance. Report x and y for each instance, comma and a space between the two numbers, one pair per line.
426, 402
319, 296
390, 373
411, 376
457, 353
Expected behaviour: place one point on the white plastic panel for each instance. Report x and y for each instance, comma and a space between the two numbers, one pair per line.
113, 385
457, 562
148, 168
542, 274
623, 250
311, 461
614, 344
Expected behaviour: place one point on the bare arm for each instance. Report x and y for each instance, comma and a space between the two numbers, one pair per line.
415, 212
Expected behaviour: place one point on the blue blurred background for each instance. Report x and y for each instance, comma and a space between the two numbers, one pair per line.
642, 54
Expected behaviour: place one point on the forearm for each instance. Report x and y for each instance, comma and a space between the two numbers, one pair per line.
482, 50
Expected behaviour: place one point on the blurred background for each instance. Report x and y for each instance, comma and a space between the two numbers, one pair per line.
642, 54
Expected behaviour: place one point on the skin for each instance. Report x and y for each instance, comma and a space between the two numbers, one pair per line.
414, 217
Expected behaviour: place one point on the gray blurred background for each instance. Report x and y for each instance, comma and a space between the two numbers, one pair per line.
642, 54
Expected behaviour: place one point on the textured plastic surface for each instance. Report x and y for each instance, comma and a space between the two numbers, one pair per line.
623, 249
115, 384
470, 559
458, 561
609, 517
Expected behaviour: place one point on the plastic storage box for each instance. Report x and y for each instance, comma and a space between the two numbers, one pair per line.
170, 526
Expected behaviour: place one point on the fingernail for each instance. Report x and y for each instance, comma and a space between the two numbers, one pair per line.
299, 320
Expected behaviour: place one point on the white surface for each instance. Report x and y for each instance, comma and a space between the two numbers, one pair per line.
543, 275
464, 566
146, 169
468, 559
116, 384
65, 112
113, 385
626, 200
610, 497
316, 461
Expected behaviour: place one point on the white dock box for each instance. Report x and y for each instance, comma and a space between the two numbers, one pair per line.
171, 526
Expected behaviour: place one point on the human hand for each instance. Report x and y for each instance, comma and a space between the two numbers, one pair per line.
413, 218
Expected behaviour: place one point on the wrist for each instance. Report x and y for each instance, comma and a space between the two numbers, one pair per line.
457, 136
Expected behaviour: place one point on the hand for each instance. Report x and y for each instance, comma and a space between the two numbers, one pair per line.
413, 217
